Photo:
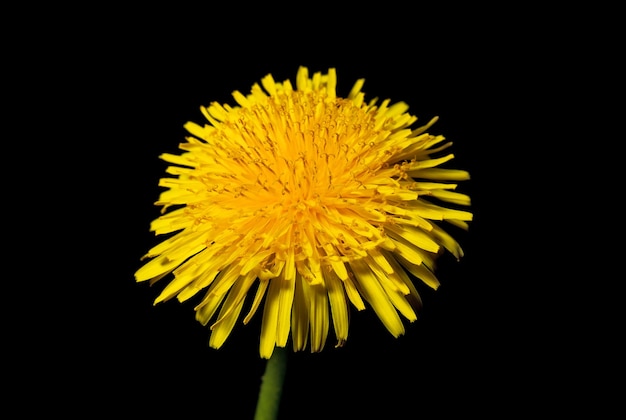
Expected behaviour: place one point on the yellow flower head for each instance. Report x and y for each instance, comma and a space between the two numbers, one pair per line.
309, 201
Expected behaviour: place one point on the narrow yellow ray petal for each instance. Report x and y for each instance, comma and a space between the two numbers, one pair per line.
164, 246
429, 163
409, 252
214, 295
316, 271
389, 280
182, 160
257, 95
220, 331
165, 225
155, 267
434, 212
397, 193
236, 294
425, 127
408, 217
204, 280
451, 197
421, 148
339, 268
268, 84
397, 109
338, 306
413, 237
421, 272
356, 89
458, 223
422, 185
316, 81
318, 314
207, 308
331, 83
258, 297
269, 325
186, 249
290, 266
195, 129
217, 111
255, 261
440, 174
381, 260
230, 311
285, 302
225, 280
241, 99
375, 295
300, 314
399, 301
353, 293
302, 78
174, 287
413, 297
448, 242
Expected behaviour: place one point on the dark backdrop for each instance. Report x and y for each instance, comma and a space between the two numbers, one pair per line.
123, 90
452, 355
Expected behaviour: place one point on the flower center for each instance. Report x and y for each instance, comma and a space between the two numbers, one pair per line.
295, 175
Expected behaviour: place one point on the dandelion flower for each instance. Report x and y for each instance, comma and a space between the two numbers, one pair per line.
310, 202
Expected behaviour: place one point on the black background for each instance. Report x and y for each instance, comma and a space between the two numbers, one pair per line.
121, 90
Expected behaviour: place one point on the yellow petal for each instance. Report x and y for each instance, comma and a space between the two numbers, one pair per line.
269, 325
157, 266
452, 197
421, 272
195, 130
302, 78
375, 295
399, 301
207, 308
389, 280
356, 89
318, 315
441, 174
398, 269
230, 311
338, 306
413, 237
268, 84
258, 297
434, 212
241, 99
204, 280
448, 242
331, 83
409, 252
285, 298
339, 268
182, 160
300, 314
221, 330
353, 294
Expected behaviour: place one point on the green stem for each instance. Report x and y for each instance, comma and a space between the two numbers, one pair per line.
272, 386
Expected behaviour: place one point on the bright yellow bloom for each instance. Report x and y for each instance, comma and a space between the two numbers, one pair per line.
309, 201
